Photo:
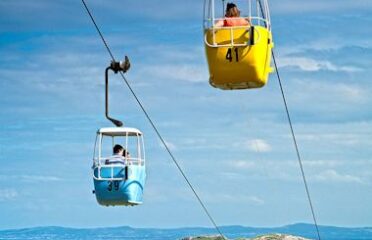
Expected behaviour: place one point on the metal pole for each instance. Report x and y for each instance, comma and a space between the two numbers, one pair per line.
223, 7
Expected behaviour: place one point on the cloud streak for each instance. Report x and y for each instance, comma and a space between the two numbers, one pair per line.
170, 145
254, 145
312, 65
178, 72
332, 175
258, 145
330, 6
8, 195
32, 178
236, 198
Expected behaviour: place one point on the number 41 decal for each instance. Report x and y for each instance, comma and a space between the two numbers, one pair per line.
229, 54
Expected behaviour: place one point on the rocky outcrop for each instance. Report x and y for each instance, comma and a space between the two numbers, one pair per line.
263, 237
278, 237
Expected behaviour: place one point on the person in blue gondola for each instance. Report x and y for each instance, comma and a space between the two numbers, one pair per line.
117, 157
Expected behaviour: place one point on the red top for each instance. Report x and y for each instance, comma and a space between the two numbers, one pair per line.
232, 22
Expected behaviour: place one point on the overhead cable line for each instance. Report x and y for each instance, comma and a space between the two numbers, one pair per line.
293, 136
296, 147
154, 127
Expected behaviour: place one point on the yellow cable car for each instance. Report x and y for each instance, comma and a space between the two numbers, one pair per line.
238, 48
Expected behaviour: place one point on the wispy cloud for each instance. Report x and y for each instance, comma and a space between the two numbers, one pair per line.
254, 145
241, 198
258, 145
179, 53
236, 198
183, 72
241, 164
293, 6
7, 194
40, 178
32, 178
170, 145
323, 163
288, 170
305, 90
351, 92
332, 175
338, 163
312, 65
345, 139
323, 44
176, 63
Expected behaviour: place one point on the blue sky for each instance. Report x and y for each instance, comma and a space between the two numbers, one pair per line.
235, 146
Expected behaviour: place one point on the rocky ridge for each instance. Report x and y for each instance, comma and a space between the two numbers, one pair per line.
264, 237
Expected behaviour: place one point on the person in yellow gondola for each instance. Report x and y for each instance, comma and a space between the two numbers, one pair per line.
232, 17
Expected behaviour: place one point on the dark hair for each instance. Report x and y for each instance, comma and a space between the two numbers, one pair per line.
117, 148
232, 10
229, 6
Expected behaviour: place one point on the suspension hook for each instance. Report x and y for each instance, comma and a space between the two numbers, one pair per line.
115, 67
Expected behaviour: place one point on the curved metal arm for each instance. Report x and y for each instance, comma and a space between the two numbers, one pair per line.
115, 67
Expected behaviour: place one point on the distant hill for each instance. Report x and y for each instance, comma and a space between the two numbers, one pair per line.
232, 232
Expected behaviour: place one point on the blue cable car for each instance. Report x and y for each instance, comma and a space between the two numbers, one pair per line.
119, 182
119, 172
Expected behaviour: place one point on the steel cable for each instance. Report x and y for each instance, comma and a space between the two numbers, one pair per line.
154, 127
296, 147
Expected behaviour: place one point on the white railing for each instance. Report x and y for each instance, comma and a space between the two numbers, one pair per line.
125, 166
111, 178
258, 16
125, 161
255, 21
100, 162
